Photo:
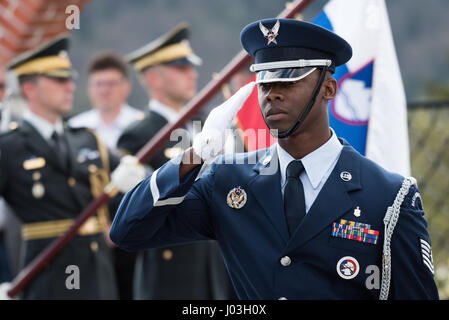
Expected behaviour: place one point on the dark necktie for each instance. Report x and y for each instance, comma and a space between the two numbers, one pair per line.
60, 147
294, 202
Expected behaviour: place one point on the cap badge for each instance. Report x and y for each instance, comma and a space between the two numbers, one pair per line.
270, 34
236, 198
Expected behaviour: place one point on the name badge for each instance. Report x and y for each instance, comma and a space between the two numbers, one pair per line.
34, 163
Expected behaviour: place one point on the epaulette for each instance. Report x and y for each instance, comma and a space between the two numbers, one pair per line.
13, 126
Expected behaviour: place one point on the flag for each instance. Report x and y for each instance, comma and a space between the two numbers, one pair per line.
250, 121
370, 109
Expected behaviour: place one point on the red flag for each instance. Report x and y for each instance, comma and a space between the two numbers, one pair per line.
249, 119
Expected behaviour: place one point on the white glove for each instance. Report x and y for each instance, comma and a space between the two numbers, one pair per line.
4, 287
128, 173
209, 143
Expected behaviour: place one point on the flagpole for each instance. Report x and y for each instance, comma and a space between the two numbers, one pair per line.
145, 153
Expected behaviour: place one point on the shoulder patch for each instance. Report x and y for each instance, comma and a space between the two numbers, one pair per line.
413, 199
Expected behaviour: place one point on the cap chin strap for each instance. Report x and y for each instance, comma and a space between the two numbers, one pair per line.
285, 134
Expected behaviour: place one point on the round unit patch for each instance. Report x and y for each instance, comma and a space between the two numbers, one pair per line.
348, 267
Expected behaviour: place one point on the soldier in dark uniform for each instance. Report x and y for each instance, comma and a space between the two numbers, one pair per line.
50, 173
192, 271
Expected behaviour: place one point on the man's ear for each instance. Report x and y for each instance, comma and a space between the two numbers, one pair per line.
28, 89
330, 88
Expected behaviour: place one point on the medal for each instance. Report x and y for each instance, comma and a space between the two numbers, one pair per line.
38, 190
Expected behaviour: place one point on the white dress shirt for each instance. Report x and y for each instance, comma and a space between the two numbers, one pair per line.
168, 113
318, 165
109, 134
43, 126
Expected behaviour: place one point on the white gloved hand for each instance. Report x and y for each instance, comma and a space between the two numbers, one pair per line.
209, 143
4, 288
128, 173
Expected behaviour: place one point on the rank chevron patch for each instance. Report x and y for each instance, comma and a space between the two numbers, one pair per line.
426, 252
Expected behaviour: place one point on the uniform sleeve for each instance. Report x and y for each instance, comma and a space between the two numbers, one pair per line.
162, 210
3, 168
114, 161
412, 262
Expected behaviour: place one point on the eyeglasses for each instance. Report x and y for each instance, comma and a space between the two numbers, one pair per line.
101, 84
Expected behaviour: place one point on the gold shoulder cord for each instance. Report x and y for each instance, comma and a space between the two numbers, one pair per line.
99, 178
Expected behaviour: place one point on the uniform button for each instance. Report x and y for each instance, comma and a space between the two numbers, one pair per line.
286, 261
71, 181
94, 246
167, 254
282, 298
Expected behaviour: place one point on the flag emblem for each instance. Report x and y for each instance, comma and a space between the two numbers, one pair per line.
348, 267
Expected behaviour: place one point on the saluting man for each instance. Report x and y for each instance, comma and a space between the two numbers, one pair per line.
309, 217
49, 173
166, 68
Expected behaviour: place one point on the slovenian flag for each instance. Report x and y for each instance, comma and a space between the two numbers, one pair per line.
370, 109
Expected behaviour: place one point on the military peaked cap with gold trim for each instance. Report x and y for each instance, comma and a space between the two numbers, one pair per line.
170, 48
49, 59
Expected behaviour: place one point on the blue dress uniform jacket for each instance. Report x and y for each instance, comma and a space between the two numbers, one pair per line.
264, 263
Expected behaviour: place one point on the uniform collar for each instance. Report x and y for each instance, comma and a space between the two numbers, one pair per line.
92, 119
43, 126
316, 163
168, 113
123, 118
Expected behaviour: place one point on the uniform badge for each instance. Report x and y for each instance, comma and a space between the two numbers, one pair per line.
357, 212
348, 267
345, 176
270, 34
87, 154
236, 198
417, 201
38, 190
34, 163
426, 253
356, 231
266, 160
